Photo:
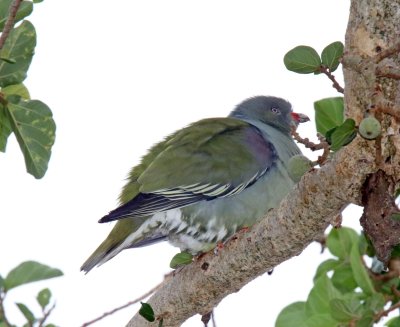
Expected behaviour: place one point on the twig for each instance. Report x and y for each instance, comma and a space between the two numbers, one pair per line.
387, 53
123, 306
46, 314
10, 22
323, 145
307, 143
391, 75
384, 313
383, 277
327, 72
395, 291
205, 319
395, 113
322, 158
388, 70
3, 317
3, 100
213, 319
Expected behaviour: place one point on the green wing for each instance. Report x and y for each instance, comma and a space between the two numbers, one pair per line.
209, 159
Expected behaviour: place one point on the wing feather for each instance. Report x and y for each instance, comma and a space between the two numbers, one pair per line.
212, 158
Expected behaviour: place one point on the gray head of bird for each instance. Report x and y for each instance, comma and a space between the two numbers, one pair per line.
270, 110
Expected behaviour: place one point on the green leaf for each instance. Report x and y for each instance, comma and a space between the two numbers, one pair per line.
394, 322
16, 89
331, 54
303, 60
26, 312
25, 9
329, 113
343, 134
181, 259
343, 278
395, 252
43, 297
146, 311
5, 128
340, 241
19, 47
367, 320
28, 272
320, 296
325, 267
341, 310
37, 1
355, 301
359, 271
292, 315
34, 127
328, 135
387, 287
319, 320
375, 302
1, 282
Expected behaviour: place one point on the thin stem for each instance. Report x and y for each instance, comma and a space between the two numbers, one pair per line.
306, 141
123, 306
327, 72
214, 323
389, 74
384, 313
10, 22
387, 53
3, 317
323, 145
46, 314
395, 113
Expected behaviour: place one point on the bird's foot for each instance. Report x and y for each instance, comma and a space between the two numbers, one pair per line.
218, 248
244, 229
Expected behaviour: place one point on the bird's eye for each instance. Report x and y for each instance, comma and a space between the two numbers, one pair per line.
275, 110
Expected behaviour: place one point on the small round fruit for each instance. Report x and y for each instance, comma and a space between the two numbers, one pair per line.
298, 165
369, 128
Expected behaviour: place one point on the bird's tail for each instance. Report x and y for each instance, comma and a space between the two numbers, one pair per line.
115, 242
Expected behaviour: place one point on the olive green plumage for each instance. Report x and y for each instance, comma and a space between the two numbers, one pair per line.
202, 183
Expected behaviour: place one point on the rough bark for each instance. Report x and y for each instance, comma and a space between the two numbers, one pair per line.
379, 208
321, 194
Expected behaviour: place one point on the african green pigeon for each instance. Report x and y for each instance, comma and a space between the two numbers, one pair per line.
206, 181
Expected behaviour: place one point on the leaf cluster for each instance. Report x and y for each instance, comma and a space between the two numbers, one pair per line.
329, 112
304, 59
346, 292
24, 273
330, 122
30, 120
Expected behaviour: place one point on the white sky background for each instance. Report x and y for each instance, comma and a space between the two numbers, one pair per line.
119, 76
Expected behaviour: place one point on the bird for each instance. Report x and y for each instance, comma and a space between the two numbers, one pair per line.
205, 182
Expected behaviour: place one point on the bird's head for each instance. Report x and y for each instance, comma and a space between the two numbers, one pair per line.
270, 110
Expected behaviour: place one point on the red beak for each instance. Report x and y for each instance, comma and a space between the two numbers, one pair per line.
299, 118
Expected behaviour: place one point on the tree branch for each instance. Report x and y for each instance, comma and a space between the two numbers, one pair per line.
283, 233
10, 22
109, 313
46, 315
335, 84
319, 196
